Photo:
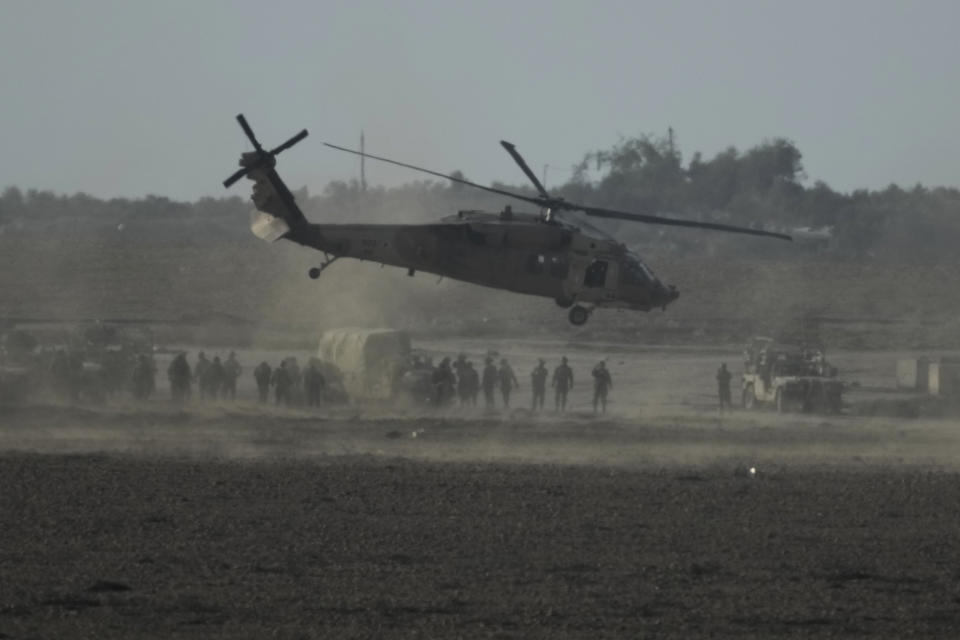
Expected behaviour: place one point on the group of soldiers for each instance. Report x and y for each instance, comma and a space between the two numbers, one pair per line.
214, 379
291, 385
462, 379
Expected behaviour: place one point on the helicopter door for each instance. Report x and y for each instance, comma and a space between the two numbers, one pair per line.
595, 275
601, 274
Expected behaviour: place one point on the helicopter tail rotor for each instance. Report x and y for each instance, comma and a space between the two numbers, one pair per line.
259, 158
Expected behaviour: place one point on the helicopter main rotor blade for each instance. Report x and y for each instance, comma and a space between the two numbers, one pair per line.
512, 150
598, 212
537, 201
548, 202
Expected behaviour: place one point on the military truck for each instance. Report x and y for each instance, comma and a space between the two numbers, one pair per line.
370, 362
789, 378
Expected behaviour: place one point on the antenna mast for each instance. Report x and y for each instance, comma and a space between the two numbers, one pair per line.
363, 166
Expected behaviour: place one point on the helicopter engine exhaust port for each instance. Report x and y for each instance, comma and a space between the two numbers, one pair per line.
578, 315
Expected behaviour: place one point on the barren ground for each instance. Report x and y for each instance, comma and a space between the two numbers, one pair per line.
241, 521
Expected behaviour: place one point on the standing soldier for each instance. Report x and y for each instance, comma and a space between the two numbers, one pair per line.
723, 385
294, 381
490, 377
179, 375
281, 384
144, 374
201, 374
463, 383
562, 383
538, 382
314, 383
444, 382
602, 382
508, 382
231, 371
262, 375
472, 383
214, 378
459, 365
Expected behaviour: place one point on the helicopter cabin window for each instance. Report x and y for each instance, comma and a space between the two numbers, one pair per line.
636, 273
559, 267
535, 263
596, 274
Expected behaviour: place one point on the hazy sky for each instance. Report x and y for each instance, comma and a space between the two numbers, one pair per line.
132, 97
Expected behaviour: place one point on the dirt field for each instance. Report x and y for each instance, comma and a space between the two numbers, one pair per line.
238, 521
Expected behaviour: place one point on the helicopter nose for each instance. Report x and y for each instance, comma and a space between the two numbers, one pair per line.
665, 295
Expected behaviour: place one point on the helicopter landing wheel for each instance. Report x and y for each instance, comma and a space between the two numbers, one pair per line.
314, 273
578, 315
564, 303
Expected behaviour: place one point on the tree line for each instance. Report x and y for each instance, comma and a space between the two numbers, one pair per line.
763, 187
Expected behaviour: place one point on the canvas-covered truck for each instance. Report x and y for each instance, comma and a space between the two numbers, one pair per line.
370, 361
789, 378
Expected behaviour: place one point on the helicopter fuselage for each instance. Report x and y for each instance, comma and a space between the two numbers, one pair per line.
524, 253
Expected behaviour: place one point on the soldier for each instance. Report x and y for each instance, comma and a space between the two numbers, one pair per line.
262, 375
201, 375
281, 384
472, 383
490, 377
538, 382
214, 378
179, 375
723, 385
444, 382
562, 384
463, 383
459, 365
294, 382
508, 382
602, 382
144, 374
314, 383
231, 371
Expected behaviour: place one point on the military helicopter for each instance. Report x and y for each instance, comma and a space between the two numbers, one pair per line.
550, 253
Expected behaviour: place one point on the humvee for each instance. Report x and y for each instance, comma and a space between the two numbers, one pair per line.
789, 378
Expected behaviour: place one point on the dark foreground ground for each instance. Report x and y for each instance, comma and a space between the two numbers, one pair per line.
124, 546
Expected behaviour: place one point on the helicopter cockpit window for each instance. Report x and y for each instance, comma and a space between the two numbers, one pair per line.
635, 272
596, 274
559, 267
535, 263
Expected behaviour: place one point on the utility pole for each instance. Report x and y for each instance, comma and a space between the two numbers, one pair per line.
363, 166
670, 138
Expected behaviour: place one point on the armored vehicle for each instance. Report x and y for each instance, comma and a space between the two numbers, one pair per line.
789, 378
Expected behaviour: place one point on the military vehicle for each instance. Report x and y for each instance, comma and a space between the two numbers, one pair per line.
789, 378
552, 253
369, 362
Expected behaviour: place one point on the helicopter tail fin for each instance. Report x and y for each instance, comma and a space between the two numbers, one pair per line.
277, 213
